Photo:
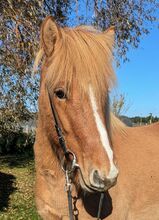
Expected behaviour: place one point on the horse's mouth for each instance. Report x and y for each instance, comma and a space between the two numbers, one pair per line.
95, 189
106, 187
87, 186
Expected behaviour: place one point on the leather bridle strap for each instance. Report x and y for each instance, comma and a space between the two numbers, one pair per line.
100, 206
58, 128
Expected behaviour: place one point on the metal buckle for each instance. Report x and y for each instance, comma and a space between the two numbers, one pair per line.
68, 182
72, 162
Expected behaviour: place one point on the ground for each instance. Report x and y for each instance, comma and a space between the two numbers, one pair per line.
17, 188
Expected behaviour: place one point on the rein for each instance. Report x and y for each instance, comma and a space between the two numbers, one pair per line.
69, 165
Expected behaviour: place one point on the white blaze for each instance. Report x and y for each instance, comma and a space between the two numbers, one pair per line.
103, 135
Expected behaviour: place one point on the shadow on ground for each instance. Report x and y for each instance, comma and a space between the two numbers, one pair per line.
6, 189
16, 161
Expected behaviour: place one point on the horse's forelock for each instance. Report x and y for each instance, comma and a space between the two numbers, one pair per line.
84, 55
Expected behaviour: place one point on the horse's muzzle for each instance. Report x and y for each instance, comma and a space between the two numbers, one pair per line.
101, 183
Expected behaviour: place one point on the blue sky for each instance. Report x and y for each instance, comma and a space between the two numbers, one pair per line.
139, 78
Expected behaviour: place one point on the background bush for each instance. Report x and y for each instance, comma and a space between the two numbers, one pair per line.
17, 142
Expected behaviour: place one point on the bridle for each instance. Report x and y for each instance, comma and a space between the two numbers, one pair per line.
69, 165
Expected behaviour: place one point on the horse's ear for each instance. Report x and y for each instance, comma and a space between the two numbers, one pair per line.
110, 36
49, 34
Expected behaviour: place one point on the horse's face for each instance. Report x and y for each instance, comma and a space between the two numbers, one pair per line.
83, 120
84, 125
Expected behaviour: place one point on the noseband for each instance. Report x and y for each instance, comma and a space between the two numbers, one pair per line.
69, 165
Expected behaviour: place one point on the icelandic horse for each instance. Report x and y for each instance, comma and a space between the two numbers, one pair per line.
119, 161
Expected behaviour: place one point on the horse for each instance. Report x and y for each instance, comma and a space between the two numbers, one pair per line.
104, 156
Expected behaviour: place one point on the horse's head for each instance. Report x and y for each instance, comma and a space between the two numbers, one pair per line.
77, 72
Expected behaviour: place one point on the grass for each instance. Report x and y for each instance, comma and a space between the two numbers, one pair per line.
17, 189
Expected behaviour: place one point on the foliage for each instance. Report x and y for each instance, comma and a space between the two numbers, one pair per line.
10, 120
12, 137
119, 104
16, 143
19, 37
130, 18
144, 120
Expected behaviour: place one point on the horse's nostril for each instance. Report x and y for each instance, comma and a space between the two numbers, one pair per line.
96, 179
96, 176
100, 181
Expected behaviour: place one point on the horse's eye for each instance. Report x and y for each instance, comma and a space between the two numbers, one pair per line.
60, 93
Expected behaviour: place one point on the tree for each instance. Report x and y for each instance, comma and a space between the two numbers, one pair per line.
19, 37
144, 120
130, 18
119, 104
